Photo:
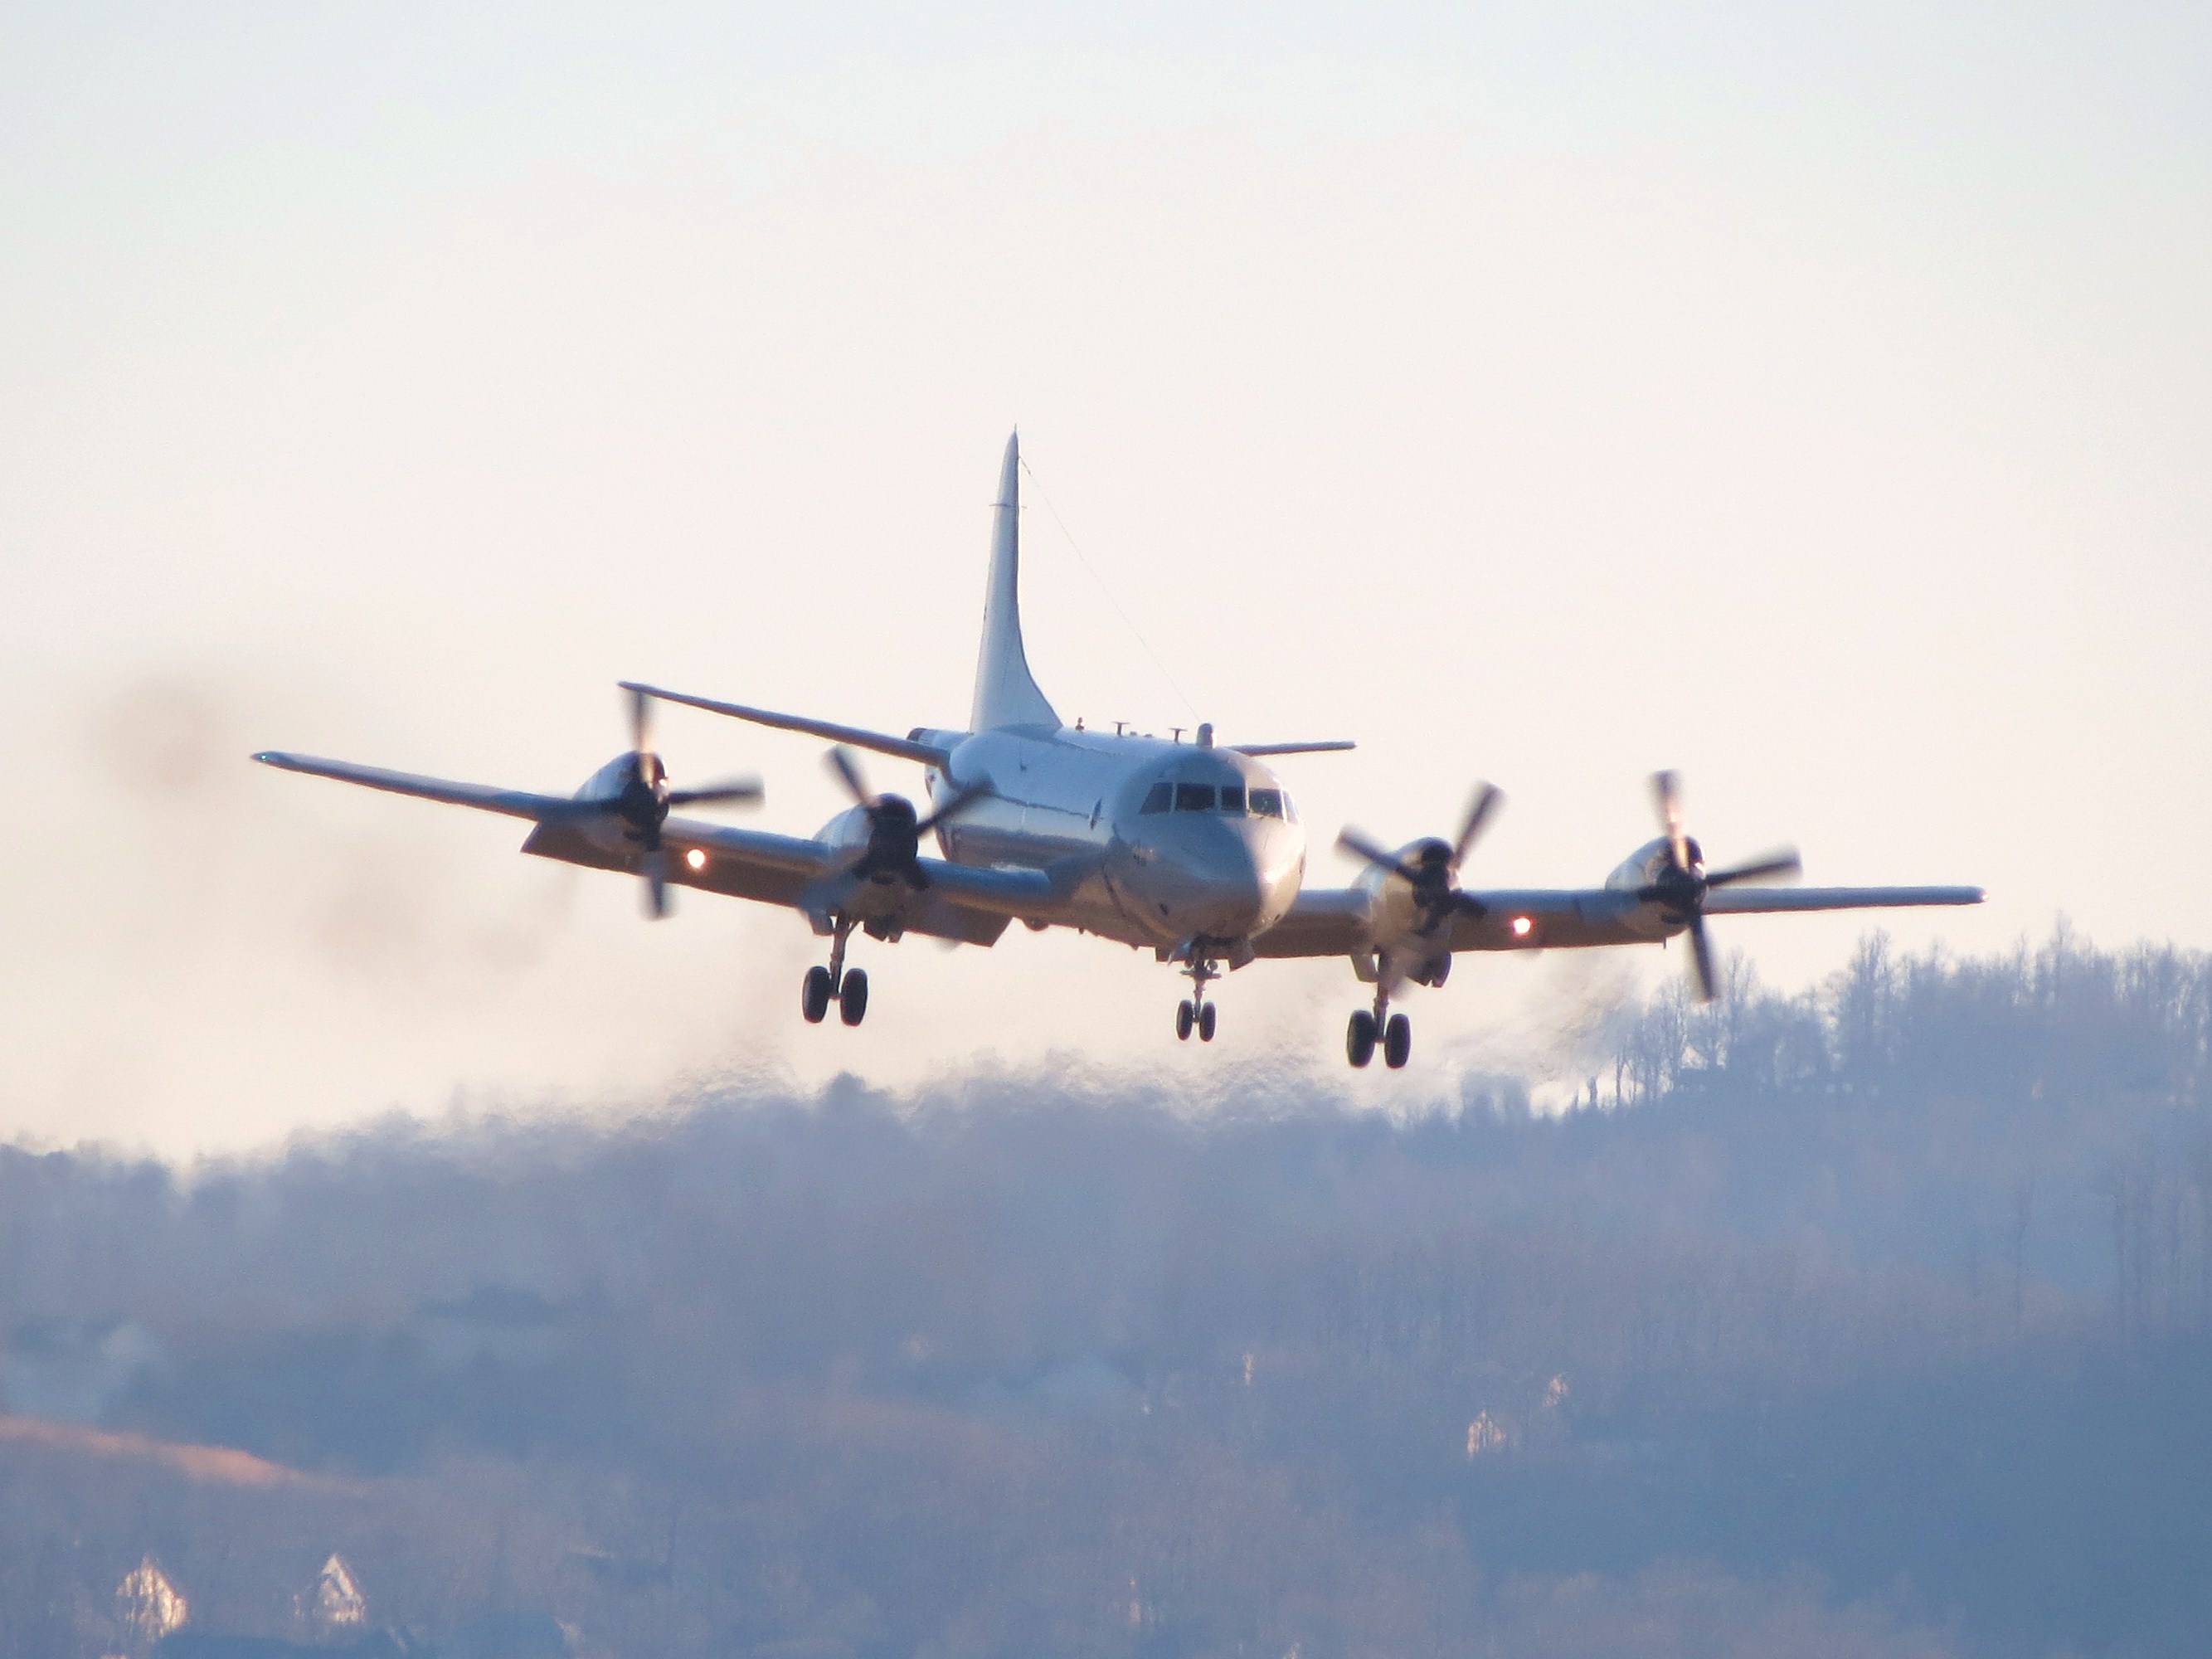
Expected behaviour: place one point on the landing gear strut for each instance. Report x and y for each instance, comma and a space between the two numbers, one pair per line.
846, 987
1393, 1032
1194, 1013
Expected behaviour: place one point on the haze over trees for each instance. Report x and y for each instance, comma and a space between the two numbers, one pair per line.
1873, 1322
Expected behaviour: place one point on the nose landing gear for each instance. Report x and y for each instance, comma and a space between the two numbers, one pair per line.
1393, 1032
1194, 1013
846, 987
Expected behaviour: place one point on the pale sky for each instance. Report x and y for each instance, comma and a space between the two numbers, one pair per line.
1817, 401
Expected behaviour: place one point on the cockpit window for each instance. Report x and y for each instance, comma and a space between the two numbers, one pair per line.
1161, 799
1266, 802
1194, 798
1232, 798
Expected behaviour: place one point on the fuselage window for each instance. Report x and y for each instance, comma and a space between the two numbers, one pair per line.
1232, 798
1266, 802
1161, 799
1194, 798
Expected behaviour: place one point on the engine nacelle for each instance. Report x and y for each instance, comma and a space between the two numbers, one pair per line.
1648, 863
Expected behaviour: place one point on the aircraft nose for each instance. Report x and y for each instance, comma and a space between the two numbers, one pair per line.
1247, 884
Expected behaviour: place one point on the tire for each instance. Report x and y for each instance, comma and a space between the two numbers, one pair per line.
1184, 1020
1360, 1038
1205, 1023
853, 996
1397, 1042
814, 996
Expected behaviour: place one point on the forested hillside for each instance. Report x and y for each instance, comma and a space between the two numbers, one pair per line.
1872, 1322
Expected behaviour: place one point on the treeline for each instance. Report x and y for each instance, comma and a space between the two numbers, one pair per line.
1871, 1322
2040, 1114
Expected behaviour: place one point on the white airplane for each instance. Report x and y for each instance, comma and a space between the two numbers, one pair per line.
1191, 850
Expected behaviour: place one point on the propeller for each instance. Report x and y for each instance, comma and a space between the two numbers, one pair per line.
1433, 870
644, 800
895, 832
1682, 886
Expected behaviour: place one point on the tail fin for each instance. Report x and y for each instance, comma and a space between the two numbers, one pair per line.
1004, 693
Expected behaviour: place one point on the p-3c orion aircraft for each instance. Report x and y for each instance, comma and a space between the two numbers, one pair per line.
1192, 849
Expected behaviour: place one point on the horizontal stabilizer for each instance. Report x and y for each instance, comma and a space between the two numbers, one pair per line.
1291, 748
882, 743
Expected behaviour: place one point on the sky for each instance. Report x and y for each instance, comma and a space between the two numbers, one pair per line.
1816, 402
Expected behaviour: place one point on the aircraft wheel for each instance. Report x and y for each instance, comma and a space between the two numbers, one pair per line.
1360, 1038
1397, 1042
814, 999
1205, 1023
853, 996
1184, 1020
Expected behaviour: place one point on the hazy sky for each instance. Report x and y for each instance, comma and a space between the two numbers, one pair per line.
1815, 399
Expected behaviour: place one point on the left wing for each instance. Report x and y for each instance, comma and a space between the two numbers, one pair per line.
1759, 901
1331, 921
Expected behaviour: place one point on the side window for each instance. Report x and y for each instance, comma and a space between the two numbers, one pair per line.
1232, 798
1290, 812
1194, 798
1268, 803
1161, 799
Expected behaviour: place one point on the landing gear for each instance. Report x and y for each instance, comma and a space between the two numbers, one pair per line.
1360, 1038
1393, 1032
847, 989
1195, 1013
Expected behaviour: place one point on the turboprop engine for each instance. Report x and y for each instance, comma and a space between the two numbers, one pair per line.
1417, 893
1669, 874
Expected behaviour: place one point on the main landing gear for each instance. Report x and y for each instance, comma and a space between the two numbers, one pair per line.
1194, 1013
846, 987
1395, 1032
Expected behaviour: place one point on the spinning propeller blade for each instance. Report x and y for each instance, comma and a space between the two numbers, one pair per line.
1682, 886
644, 800
1434, 873
1486, 799
847, 765
895, 832
1361, 845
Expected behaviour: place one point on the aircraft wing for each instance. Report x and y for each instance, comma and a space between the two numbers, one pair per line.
1759, 900
1331, 921
515, 803
962, 902
1323, 922
969, 904
1535, 919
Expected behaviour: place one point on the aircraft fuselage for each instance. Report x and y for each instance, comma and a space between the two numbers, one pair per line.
1191, 842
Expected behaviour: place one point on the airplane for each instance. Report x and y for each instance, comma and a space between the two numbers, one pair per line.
1193, 850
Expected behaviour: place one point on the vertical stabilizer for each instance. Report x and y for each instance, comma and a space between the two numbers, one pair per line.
1004, 693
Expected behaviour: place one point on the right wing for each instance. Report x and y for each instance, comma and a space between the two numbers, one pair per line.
515, 803
963, 902
882, 743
